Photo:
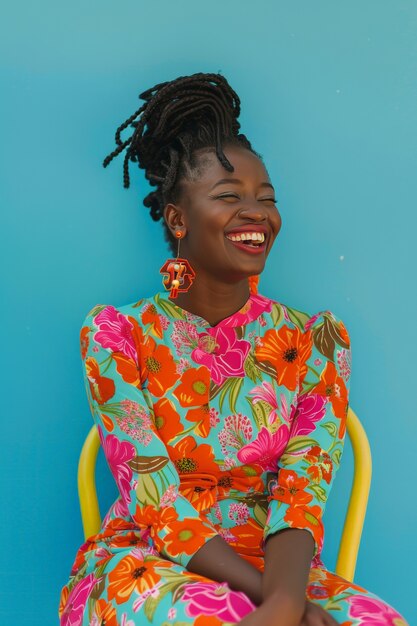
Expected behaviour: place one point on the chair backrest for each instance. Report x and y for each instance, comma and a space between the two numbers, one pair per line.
355, 514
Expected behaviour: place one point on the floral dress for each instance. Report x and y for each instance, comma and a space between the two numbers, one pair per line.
234, 430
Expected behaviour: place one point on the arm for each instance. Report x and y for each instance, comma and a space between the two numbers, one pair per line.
218, 561
147, 479
294, 530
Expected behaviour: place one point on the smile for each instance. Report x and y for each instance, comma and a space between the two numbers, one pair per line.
254, 242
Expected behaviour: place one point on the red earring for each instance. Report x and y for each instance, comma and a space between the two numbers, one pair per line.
178, 275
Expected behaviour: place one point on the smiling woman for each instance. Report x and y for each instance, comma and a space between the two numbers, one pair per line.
221, 412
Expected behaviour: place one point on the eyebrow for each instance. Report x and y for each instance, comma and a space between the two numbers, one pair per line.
236, 181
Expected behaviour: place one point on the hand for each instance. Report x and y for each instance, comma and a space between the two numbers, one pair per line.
276, 610
315, 615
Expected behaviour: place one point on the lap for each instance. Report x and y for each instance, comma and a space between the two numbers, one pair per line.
348, 603
135, 585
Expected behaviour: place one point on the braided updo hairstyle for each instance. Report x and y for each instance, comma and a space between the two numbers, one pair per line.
179, 117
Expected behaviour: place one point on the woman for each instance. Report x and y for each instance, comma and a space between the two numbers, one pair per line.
221, 412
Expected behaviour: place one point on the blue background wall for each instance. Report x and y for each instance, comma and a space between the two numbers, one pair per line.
329, 93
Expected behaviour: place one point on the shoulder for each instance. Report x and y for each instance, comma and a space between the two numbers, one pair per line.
109, 314
324, 325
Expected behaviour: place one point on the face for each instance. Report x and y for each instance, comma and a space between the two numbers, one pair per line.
219, 208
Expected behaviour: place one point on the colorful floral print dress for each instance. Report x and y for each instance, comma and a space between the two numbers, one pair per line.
234, 430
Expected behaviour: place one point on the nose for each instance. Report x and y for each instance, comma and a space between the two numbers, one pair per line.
253, 213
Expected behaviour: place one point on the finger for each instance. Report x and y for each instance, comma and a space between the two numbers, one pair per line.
330, 620
317, 616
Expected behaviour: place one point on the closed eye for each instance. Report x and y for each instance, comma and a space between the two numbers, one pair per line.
228, 195
232, 195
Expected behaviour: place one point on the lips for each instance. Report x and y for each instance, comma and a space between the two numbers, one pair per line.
247, 248
248, 228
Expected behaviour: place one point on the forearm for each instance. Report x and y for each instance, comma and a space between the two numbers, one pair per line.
218, 561
288, 556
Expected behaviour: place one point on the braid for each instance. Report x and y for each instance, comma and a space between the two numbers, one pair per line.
177, 118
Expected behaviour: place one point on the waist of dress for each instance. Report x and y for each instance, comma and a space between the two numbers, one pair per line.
204, 490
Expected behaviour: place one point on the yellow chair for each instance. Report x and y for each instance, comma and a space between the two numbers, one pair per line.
355, 514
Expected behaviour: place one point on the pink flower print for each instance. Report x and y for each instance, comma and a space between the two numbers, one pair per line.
184, 336
214, 417
236, 432
318, 361
182, 365
169, 496
374, 612
222, 353
344, 362
216, 599
309, 323
125, 621
152, 592
118, 453
135, 422
288, 412
77, 599
172, 613
266, 393
164, 321
227, 535
310, 409
239, 513
266, 449
115, 332
218, 512
251, 310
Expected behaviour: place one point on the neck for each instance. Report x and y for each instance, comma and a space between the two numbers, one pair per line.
214, 300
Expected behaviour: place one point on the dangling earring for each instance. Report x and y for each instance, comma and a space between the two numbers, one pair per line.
178, 275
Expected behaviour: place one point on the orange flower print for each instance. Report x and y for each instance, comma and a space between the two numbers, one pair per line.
201, 415
167, 419
333, 387
105, 613
184, 536
286, 350
333, 583
306, 517
84, 341
290, 488
133, 574
127, 368
63, 600
239, 479
158, 367
150, 517
200, 490
188, 457
150, 316
247, 538
193, 390
321, 465
344, 333
208, 620
102, 388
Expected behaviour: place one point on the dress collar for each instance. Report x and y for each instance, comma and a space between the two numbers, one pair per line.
255, 305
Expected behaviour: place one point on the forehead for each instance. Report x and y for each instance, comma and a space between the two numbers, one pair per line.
247, 167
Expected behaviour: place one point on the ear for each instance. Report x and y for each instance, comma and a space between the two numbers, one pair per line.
174, 216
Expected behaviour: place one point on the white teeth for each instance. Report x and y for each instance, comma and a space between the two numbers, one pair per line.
247, 237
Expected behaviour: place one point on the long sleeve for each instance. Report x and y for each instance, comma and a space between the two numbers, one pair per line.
306, 469
146, 477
